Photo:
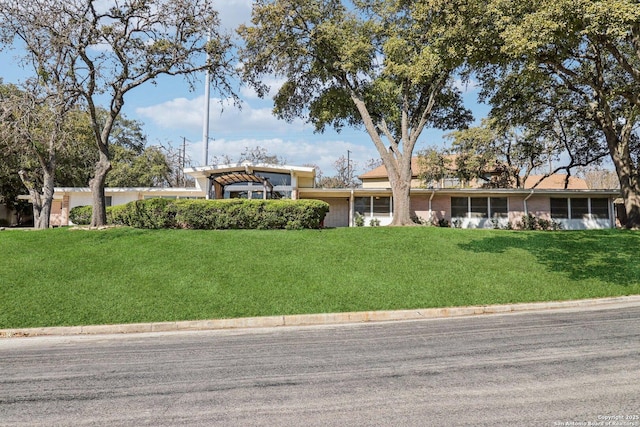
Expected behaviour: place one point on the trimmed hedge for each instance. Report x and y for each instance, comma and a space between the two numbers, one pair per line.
80, 215
212, 214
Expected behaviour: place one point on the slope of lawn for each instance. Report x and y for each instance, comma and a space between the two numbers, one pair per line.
123, 275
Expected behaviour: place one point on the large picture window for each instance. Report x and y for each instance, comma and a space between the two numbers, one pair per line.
363, 205
559, 208
499, 207
373, 206
600, 208
459, 207
381, 206
479, 207
579, 208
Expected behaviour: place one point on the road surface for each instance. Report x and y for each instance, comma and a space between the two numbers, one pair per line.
553, 368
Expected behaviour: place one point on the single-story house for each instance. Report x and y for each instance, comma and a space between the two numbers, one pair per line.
566, 200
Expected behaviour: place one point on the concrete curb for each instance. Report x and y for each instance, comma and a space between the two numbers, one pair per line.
314, 319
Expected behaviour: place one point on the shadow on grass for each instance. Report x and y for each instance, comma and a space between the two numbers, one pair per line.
610, 256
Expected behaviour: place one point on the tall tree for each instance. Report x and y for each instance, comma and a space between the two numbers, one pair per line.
33, 132
583, 57
115, 48
511, 154
386, 66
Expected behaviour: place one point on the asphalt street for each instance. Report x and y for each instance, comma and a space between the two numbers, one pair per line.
552, 368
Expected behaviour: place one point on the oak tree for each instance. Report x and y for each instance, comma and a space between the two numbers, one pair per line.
576, 58
384, 66
113, 48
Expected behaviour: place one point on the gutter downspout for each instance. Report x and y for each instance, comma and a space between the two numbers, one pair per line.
431, 210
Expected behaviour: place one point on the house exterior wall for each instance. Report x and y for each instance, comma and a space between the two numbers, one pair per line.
540, 207
441, 208
516, 209
338, 215
420, 207
59, 212
431, 209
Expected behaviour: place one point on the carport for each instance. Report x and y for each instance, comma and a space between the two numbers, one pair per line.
221, 180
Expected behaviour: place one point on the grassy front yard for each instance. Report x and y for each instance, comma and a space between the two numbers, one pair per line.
74, 277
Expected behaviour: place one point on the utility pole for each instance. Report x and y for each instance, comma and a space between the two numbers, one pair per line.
205, 127
205, 124
349, 168
184, 155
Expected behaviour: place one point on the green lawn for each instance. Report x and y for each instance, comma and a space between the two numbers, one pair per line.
79, 277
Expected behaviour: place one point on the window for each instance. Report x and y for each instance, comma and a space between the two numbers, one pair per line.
479, 207
373, 205
579, 208
108, 200
382, 206
559, 208
600, 208
459, 207
499, 207
363, 205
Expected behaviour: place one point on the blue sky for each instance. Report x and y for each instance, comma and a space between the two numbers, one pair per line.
170, 111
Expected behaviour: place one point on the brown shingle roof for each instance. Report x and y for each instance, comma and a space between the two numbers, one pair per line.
556, 182
553, 182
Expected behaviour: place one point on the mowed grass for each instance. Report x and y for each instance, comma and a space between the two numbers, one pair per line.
123, 275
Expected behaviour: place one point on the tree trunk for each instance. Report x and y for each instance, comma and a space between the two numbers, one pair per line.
627, 173
41, 201
99, 209
400, 180
401, 204
632, 206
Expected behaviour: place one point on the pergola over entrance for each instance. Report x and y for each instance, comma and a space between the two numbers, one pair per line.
220, 180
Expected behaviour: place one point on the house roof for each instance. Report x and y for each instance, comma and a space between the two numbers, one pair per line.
555, 182
552, 182
381, 171
249, 168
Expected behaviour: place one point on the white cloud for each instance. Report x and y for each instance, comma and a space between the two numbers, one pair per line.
274, 84
233, 129
295, 152
225, 118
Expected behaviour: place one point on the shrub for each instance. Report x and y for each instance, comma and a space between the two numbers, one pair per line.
80, 215
221, 214
359, 220
442, 222
530, 222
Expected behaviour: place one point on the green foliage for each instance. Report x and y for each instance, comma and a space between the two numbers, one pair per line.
80, 215
379, 66
148, 167
219, 214
442, 222
568, 73
531, 222
358, 220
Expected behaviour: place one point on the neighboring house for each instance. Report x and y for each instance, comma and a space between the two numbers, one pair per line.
574, 207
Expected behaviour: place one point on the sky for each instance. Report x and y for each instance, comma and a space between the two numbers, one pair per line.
172, 113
